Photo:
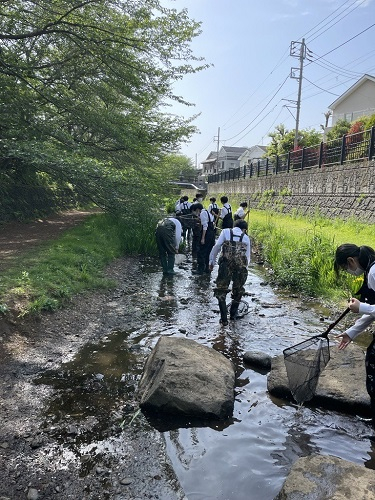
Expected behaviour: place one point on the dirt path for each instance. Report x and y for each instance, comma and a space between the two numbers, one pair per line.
18, 237
35, 462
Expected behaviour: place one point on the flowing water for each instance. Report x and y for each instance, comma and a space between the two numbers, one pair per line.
248, 456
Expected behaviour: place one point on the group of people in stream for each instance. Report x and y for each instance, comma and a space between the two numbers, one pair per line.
211, 232
216, 231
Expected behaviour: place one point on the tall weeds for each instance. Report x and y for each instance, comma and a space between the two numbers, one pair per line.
299, 251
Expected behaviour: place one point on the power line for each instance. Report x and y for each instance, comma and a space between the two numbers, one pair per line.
341, 18
260, 121
331, 14
341, 71
247, 126
317, 86
281, 60
344, 43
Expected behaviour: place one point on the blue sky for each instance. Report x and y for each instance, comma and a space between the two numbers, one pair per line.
248, 44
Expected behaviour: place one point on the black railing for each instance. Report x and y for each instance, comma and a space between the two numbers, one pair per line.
354, 147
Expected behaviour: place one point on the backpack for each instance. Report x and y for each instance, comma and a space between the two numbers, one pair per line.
228, 219
185, 210
235, 251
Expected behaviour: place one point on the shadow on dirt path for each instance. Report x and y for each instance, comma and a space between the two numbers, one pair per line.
18, 237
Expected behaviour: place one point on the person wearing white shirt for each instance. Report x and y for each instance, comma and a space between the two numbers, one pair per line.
168, 238
241, 212
226, 213
357, 261
235, 248
207, 241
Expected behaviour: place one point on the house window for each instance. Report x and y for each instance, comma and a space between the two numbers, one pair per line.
348, 117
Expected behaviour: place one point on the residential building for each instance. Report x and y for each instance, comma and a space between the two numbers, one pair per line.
209, 165
229, 157
251, 154
357, 101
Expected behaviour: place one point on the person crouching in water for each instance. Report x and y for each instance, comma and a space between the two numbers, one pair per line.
233, 263
168, 238
359, 261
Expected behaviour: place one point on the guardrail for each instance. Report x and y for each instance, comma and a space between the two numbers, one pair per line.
354, 147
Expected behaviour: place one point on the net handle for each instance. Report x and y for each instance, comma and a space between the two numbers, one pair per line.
332, 325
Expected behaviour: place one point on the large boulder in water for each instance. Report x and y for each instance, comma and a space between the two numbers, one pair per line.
185, 378
323, 477
342, 384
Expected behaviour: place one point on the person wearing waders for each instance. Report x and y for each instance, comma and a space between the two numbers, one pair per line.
207, 241
168, 238
196, 229
233, 263
359, 261
226, 213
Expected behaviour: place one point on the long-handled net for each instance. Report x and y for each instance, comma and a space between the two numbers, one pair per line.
243, 308
305, 361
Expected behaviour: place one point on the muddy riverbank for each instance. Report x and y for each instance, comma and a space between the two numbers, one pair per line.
56, 447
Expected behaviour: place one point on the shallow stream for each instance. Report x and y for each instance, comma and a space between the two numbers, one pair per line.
247, 457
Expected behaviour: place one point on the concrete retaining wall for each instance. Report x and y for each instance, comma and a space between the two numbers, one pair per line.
335, 191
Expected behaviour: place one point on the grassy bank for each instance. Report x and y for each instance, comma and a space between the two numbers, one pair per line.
298, 254
50, 275
299, 251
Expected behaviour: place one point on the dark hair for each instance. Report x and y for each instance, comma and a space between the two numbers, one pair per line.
224, 199
185, 198
213, 199
196, 206
242, 224
365, 255
243, 204
215, 210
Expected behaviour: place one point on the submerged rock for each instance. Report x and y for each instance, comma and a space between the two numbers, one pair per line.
185, 378
342, 384
319, 477
258, 360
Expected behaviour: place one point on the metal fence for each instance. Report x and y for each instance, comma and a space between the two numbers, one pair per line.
350, 148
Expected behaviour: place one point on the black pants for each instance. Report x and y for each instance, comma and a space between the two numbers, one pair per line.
370, 377
204, 252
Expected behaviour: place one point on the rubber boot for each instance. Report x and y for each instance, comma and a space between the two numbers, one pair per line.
233, 309
223, 312
170, 266
164, 264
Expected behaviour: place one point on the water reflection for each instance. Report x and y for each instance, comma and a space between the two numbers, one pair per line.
245, 457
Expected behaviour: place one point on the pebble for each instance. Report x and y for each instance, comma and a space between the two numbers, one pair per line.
32, 494
126, 481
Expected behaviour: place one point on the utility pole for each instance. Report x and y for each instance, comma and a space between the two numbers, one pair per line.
301, 54
217, 148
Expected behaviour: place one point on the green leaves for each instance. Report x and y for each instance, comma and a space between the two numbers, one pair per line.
82, 84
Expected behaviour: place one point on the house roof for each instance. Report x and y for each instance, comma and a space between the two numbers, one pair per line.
213, 154
230, 149
351, 89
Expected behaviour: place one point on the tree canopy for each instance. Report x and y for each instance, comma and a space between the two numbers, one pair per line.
282, 140
85, 86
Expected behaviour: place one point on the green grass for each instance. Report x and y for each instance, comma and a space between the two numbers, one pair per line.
299, 251
49, 276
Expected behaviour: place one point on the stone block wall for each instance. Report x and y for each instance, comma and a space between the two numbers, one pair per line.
345, 191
